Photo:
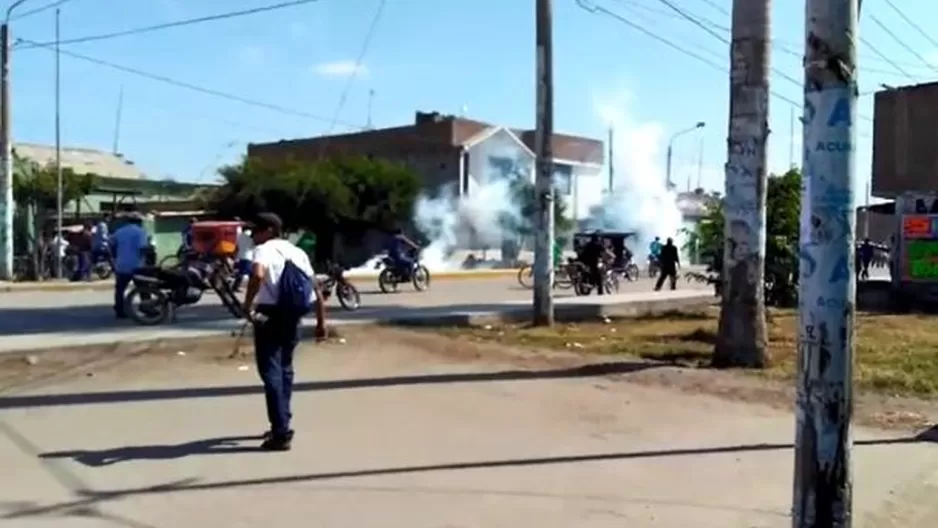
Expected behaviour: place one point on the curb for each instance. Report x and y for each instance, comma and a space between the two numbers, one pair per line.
26, 287
563, 313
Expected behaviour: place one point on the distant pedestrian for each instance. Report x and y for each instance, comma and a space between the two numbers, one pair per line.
670, 261
83, 251
245, 256
281, 290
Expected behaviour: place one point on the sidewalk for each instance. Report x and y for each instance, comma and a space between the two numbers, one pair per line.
389, 435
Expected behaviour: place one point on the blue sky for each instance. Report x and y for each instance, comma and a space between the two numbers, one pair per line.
425, 54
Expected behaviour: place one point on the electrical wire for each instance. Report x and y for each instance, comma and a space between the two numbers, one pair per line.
693, 19
912, 23
192, 87
366, 44
883, 56
716, 6
179, 23
901, 42
40, 9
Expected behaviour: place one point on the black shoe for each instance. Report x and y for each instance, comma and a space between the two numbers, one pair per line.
278, 443
270, 434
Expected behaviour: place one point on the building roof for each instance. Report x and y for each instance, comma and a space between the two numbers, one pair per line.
431, 131
83, 160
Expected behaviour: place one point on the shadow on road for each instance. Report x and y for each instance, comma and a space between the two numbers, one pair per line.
91, 498
107, 457
93, 398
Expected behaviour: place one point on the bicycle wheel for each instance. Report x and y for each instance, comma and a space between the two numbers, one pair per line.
562, 279
526, 276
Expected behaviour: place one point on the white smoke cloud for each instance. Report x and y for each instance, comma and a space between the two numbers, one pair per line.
640, 201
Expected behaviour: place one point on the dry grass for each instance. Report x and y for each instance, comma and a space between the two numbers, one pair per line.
896, 355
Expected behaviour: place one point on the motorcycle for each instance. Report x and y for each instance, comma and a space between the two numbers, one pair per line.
583, 284
157, 292
653, 267
391, 276
335, 282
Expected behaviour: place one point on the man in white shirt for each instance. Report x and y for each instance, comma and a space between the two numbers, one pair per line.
276, 330
245, 256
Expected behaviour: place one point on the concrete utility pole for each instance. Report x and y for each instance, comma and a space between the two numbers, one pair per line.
668, 183
742, 333
612, 162
60, 184
544, 181
824, 403
7, 205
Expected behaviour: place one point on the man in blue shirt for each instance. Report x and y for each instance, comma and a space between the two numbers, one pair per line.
129, 244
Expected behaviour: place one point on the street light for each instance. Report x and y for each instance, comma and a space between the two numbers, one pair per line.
667, 182
6, 151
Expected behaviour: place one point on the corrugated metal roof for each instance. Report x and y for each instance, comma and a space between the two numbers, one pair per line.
82, 160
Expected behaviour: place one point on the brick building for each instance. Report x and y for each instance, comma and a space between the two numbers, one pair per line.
453, 151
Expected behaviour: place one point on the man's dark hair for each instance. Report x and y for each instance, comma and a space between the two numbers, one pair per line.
271, 221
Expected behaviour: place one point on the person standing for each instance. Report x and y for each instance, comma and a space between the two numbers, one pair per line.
100, 251
670, 260
245, 256
130, 245
592, 256
281, 290
83, 248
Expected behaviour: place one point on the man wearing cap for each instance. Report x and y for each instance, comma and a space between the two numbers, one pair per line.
276, 330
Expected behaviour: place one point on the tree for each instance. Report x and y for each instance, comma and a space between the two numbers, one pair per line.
783, 199
337, 197
36, 187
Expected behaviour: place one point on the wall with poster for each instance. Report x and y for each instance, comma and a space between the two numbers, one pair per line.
918, 258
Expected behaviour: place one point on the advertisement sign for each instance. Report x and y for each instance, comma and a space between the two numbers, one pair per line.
919, 259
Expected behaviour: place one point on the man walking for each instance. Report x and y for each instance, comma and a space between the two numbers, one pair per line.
129, 245
281, 290
669, 260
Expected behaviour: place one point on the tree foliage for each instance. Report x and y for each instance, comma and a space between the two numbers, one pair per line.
525, 194
37, 185
783, 203
347, 193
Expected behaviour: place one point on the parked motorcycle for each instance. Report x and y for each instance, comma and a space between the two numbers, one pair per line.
336, 283
157, 292
390, 276
653, 267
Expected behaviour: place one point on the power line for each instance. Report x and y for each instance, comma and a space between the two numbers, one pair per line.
179, 23
39, 9
883, 56
716, 6
195, 88
912, 23
358, 64
901, 42
697, 22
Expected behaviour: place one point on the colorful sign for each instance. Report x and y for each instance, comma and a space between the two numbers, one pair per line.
920, 248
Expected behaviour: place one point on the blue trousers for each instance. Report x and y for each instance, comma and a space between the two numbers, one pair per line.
275, 342
83, 269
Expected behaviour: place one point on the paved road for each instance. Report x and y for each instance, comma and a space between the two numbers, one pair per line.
417, 438
42, 312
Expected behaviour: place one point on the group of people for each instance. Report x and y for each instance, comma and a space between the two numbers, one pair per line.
597, 255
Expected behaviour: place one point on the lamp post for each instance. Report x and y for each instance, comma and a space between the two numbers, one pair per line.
667, 181
6, 151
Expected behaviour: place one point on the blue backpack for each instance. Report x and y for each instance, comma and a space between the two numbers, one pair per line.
295, 290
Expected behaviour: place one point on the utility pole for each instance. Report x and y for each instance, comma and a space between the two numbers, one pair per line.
700, 159
371, 96
543, 182
612, 162
58, 152
824, 399
742, 339
117, 121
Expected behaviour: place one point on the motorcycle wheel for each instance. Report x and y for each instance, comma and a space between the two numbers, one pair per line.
157, 310
421, 278
348, 296
582, 288
632, 272
103, 270
387, 281
526, 277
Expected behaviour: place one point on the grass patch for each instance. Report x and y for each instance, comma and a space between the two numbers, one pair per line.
895, 354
